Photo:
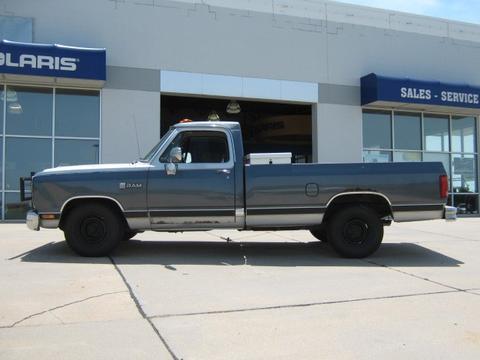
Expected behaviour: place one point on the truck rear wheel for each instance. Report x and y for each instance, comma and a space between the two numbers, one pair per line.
320, 233
93, 229
355, 231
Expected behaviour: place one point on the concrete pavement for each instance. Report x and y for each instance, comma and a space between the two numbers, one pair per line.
242, 295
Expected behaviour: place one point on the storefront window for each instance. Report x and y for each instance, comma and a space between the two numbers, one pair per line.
14, 208
377, 130
464, 178
32, 144
436, 133
407, 156
29, 111
463, 134
76, 113
376, 156
451, 140
408, 131
24, 155
76, 152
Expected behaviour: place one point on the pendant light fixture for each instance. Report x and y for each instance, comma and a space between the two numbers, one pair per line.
233, 107
213, 116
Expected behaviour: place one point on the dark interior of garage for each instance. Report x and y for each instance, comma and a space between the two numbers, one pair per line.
266, 126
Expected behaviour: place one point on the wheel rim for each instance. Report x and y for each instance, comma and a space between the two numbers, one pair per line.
355, 231
93, 229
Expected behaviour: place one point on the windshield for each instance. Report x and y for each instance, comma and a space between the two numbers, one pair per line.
152, 152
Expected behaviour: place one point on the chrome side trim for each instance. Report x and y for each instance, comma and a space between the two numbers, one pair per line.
286, 220
359, 193
91, 197
138, 223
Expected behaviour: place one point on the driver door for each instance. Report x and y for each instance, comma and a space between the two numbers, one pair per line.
197, 191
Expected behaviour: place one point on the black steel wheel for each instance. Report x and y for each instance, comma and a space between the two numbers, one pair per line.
93, 229
355, 231
129, 234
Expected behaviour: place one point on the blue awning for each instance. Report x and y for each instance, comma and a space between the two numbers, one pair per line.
383, 91
57, 63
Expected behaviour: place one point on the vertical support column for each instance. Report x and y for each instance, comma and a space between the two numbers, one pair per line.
339, 133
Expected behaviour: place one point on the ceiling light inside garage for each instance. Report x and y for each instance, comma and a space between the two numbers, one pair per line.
213, 116
15, 108
233, 107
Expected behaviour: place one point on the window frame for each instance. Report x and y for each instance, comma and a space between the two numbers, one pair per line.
197, 166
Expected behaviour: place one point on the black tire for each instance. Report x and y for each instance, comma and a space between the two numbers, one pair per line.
320, 233
129, 234
355, 231
93, 229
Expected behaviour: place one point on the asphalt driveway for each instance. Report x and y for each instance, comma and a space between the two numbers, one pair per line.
242, 295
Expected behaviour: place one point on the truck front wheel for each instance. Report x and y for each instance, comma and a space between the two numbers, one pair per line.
93, 229
355, 231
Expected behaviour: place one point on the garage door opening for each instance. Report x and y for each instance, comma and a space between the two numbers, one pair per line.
266, 126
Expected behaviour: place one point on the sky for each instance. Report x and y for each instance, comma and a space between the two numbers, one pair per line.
462, 10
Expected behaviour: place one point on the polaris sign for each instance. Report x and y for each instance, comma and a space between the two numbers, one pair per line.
384, 89
52, 60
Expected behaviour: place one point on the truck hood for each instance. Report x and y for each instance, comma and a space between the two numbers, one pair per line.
95, 168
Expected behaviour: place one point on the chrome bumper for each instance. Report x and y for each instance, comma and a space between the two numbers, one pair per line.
450, 213
33, 220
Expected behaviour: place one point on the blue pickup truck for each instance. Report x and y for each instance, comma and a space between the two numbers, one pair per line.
198, 178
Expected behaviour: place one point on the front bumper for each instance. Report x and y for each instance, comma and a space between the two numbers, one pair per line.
33, 220
450, 213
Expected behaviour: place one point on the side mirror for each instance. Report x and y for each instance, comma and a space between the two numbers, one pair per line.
175, 155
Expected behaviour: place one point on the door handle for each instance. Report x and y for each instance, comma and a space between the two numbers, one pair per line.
224, 171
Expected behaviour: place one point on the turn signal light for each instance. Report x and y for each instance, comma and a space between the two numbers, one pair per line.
47, 216
443, 186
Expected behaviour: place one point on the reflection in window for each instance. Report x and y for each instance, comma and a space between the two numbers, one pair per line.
407, 131
24, 155
466, 204
29, 111
14, 208
464, 173
407, 156
77, 113
436, 133
76, 152
377, 128
463, 134
374, 156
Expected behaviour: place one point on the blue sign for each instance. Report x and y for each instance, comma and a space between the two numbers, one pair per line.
52, 60
380, 88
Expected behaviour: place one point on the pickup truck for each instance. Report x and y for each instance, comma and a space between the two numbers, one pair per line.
197, 178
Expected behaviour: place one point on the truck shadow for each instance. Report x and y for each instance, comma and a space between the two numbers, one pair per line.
172, 253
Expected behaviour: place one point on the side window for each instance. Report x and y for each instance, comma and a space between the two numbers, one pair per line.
200, 147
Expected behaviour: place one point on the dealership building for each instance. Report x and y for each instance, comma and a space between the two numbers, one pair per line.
99, 81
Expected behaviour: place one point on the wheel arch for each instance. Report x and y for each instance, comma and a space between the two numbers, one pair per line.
72, 202
375, 200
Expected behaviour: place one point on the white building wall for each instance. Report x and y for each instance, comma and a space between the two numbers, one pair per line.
126, 114
339, 133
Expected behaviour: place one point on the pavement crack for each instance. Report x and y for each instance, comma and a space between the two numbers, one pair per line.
291, 306
61, 307
140, 309
414, 276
